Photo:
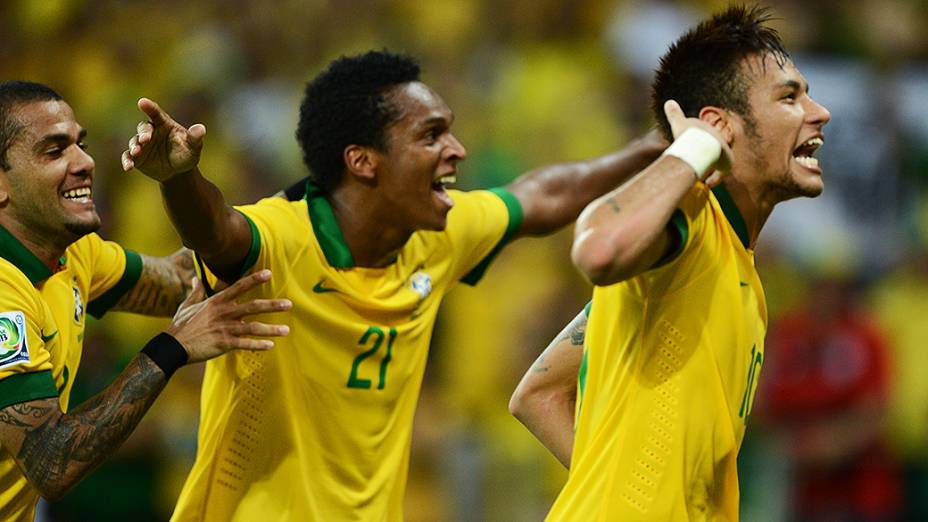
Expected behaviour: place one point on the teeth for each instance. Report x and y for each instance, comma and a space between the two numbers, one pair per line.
814, 142
807, 161
78, 193
447, 180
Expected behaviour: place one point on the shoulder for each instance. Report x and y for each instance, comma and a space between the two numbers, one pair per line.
15, 288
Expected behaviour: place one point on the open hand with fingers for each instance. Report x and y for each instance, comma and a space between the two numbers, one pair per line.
209, 327
161, 147
711, 171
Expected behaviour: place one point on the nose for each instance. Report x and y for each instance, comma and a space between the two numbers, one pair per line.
82, 164
455, 149
817, 114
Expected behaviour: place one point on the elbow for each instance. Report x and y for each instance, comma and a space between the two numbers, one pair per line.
518, 404
602, 264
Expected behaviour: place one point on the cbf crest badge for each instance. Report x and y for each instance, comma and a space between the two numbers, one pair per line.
78, 306
13, 348
421, 283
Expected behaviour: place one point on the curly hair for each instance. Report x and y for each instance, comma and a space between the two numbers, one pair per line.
13, 93
704, 67
348, 104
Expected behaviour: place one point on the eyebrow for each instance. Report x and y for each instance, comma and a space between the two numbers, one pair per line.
58, 137
793, 84
433, 121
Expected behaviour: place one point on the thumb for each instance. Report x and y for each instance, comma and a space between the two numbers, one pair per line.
195, 135
197, 293
675, 117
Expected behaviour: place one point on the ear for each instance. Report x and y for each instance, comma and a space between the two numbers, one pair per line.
721, 119
361, 161
4, 188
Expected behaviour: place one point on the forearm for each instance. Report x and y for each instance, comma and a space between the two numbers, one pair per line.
162, 286
625, 232
198, 210
545, 398
553, 196
57, 453
550, 418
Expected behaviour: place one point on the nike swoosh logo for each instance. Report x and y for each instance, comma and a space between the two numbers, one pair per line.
742, 283
46, 338
319, 289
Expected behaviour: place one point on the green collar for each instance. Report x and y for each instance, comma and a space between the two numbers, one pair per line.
326, 228
733, 214
15, 252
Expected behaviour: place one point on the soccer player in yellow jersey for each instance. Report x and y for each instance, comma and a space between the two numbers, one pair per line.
319, 429
54, 269
674, 341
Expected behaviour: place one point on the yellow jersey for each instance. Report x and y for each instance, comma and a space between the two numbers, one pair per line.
670, 366
319, 427
42, 332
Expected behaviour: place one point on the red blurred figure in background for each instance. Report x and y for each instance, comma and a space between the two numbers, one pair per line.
824, 393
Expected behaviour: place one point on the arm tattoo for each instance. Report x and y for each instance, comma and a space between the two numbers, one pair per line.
613, 205
163, 285
60, 450
575, 332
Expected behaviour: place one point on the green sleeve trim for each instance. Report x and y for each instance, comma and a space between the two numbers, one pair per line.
587, 309
24, 387
516, 216
255, 248
130, 276
250, 258
679, 232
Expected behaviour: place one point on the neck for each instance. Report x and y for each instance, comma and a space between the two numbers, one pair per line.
374, 242
754, 207
47, 250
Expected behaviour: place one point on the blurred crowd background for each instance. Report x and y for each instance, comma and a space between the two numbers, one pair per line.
840, 430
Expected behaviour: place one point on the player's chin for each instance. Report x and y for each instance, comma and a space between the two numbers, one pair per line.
810, 186
83, 225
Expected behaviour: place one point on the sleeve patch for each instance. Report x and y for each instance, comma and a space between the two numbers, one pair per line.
13, 340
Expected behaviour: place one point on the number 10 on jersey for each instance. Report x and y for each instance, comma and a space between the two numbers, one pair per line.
375, 336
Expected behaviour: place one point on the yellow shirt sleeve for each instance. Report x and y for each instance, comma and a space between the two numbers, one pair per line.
26, 335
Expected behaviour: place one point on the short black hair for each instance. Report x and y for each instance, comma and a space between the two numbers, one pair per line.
347, 105
13, 93
704, 67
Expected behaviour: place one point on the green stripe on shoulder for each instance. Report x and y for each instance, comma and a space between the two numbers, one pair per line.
130, 276
24, 387
255, 248
516, 216
679, 233
588, 308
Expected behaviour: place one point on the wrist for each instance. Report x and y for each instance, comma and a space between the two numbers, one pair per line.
697, 148
166, 352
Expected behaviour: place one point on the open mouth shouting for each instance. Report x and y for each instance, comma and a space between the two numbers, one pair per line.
438, 188
804, 154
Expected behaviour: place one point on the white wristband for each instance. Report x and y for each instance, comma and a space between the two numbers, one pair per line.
698, 148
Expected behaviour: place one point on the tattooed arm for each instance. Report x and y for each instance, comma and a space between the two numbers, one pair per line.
56, 450
162, 286
545, 398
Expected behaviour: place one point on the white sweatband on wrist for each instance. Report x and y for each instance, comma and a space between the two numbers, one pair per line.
698, 148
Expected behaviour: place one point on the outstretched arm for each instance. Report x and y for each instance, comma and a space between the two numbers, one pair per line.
553, 196
544, 400
168, 153
624, 232
56, 450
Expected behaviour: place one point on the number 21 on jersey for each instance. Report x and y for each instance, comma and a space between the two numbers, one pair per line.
374, 336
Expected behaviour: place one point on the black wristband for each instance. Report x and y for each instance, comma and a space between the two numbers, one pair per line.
166, 352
